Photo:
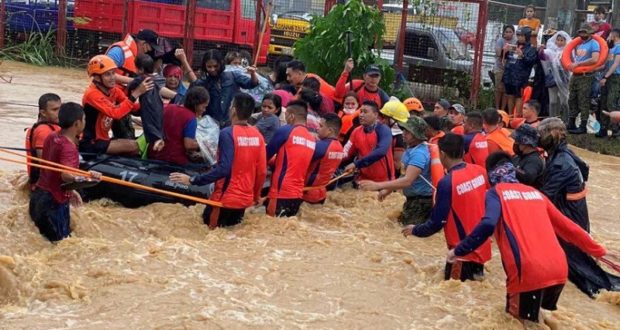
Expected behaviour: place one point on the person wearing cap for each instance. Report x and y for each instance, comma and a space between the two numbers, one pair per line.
456, 114
415, 180
564, 183
528, 163
124, 52
442, 110
367, 89
528, 231
105, 102
520, 59
414, 106
497, 140
476, 147
580, 84
459, 206
371, 144
392, 113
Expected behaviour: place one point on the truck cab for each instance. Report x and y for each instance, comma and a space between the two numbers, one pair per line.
290, 22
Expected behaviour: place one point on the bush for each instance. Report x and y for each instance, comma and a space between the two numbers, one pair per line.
324, 49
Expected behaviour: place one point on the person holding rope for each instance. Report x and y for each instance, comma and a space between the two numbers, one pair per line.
458, 209
526, 223
49, 202
416, 176
240, 171
47, 123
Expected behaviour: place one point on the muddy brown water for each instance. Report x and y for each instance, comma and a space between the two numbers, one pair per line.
343, 265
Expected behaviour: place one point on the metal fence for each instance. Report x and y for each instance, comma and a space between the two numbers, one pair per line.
80, 29
437, 46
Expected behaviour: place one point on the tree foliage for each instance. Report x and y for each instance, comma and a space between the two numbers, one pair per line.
324, 49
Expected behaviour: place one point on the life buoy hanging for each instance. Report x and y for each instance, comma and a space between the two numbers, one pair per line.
568, 52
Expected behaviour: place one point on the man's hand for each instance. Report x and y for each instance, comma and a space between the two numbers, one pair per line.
76, 198
369, 185
251, 70
95, 176
350, 168
408, 230
451, 257
603, 81
349, 65
180, 178
572, 66
144, 87
179, 53
383, 194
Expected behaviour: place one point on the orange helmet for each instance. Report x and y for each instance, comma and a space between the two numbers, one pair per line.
505, 118
100, 64
413, 104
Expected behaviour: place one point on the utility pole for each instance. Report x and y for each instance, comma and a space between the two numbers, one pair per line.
615, 15
560, 15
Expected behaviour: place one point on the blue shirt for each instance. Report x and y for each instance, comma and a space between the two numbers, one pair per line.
584, 51
268, 126
420, 157
189, 131
614, 52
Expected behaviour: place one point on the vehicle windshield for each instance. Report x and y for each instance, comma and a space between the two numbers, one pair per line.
452, 45
281, 7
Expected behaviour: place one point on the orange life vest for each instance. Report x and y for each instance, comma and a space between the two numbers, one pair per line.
437, 170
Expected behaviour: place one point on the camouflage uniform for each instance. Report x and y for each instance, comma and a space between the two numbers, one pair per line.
417, 209
579, 87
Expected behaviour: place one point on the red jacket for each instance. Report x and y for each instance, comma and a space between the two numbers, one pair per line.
476, 149
327, 157
176, 118
293, 147
526, 235
469, 186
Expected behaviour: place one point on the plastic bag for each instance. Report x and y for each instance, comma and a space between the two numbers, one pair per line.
593, 125
207, 135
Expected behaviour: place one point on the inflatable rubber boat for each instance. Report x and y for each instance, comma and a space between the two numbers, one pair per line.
150, 173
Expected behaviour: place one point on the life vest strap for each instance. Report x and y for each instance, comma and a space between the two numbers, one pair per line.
577, 196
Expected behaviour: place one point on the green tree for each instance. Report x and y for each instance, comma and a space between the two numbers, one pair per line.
324, 49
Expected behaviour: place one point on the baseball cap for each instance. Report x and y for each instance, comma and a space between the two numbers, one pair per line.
150, 37
458, 108
444, 103
373, 69
416, 126
587, 28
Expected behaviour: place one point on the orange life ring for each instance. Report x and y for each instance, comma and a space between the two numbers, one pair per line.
568, 52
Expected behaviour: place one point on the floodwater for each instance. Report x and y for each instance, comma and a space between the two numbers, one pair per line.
338, 266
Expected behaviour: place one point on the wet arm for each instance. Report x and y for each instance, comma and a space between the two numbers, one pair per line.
571, 232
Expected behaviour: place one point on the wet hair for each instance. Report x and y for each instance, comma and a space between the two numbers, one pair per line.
244, 105
289, 88
46, 98
231, 56
312, 83
312, 98
296, 66
496, 159
276, 99
215, 55
433, 122
145, 63
195, 96
372, 104
508, 27
600, 10
452, 145
70, 112
298, 108
351, 94
490, 116
474, 119
279, 68
333, 121
534, 104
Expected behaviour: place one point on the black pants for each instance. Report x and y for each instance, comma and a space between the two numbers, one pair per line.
52, 219
464, 271
123, 128
281, 207
222, 217
526, 305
